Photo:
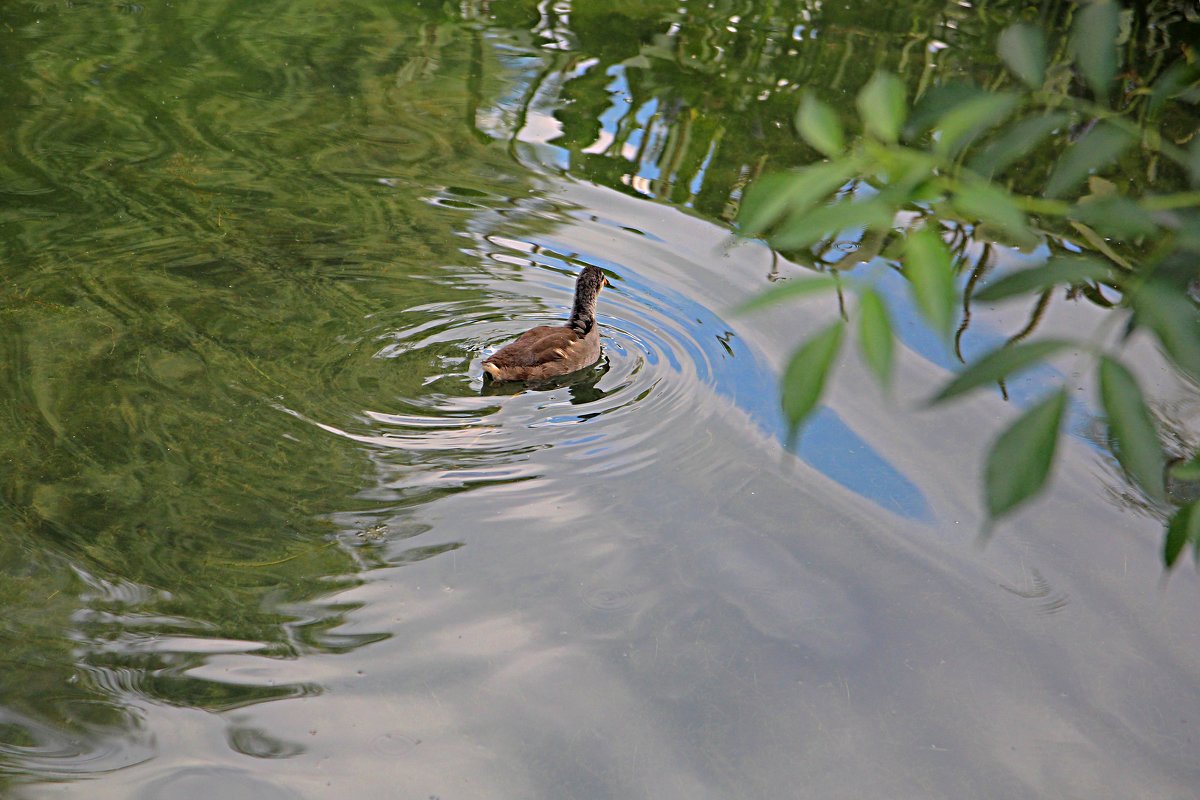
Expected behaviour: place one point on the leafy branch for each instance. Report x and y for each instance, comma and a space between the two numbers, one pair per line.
954, 158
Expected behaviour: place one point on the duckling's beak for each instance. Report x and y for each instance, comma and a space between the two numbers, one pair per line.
604, 280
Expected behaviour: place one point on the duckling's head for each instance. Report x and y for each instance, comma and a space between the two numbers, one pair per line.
587, 289
591, 281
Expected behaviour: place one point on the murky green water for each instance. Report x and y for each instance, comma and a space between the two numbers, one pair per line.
263, 536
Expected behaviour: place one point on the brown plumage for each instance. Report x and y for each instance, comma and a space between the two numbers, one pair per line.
549, 351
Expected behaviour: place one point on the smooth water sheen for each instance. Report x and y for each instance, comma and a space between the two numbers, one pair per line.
266, 534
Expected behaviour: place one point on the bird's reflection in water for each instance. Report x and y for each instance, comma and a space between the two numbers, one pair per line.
581, 385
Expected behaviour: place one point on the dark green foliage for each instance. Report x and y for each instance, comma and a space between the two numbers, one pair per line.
1028, 150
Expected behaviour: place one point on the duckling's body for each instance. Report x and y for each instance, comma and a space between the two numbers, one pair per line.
549, 351
544, 352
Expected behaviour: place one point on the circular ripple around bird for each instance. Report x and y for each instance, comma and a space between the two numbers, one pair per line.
457, 431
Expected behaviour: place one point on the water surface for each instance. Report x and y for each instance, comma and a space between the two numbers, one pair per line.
266, 535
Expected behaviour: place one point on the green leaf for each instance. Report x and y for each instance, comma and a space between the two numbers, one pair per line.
1056, 272
962, 125
998, 364
766, 200
928, 269
1094, 44
875, 335
792, 289
1023, 48
802, 230
1020, 458
1187, 236
935, 103
1186, 470
986, 201
1174, 319
805, 376
882, 106
1096, 149
1098, 243
1135, 441
1118, 217
1183, 527
1173, 82
820, 126
771, 197
1017, 140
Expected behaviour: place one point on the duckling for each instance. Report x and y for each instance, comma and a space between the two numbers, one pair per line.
549, 351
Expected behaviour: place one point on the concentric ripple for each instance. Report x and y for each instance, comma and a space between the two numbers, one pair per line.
668, 363
459, 431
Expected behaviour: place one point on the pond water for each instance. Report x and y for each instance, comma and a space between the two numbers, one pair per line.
267, 535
